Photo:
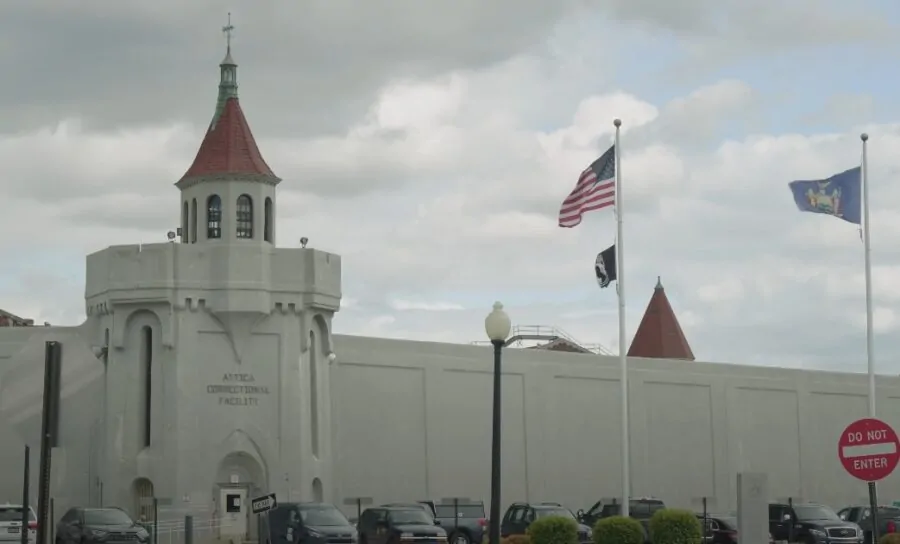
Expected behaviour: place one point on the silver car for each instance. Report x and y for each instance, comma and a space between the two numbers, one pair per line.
11, 523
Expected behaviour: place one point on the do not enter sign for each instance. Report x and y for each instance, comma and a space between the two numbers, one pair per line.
869, 449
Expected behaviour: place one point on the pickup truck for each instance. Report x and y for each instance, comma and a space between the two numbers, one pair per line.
641, 509
463, 520
888, 519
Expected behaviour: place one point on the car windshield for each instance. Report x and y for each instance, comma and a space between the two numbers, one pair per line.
111, 516
551, 512
13, 513
411, 516
323, 516
646, 508
814, 512
728, 524
468, 511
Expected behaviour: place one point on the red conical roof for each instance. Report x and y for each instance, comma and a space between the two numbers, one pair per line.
229, 147
659, 335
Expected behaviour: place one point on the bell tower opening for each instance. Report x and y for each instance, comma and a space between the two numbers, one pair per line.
229, 177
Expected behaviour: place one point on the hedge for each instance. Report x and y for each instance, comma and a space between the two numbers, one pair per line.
553, 530
620, 530
511, 539
890, 538
674, 526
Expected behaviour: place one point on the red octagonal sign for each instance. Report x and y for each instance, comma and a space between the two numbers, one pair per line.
869, 449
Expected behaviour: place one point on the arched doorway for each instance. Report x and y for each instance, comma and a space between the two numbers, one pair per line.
318, 494
142, 492
240, 477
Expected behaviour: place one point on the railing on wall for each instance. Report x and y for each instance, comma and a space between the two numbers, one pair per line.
524, 336
198, 531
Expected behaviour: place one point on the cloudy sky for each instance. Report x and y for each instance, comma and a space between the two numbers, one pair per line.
431, 143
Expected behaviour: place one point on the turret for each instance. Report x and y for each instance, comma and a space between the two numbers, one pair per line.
228, 193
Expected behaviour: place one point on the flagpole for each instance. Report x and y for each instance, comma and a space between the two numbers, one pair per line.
623, 356
870, 334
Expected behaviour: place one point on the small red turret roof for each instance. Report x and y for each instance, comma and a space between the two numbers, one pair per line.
659, 335
229, 147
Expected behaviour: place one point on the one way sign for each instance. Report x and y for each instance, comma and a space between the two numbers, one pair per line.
264, 503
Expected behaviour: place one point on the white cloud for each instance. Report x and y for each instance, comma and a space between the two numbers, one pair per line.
412, 305
440, 184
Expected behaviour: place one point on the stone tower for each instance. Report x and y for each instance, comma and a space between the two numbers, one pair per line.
218, 348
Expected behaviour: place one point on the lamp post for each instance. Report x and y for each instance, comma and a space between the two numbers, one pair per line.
497, 326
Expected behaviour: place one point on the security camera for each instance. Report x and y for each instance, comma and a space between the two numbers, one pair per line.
332, 357
304, 241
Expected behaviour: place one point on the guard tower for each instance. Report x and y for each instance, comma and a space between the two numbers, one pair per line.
217, 348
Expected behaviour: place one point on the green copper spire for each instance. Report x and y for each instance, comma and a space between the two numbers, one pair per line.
228, 81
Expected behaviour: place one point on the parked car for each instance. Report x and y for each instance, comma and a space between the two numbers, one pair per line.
520, 515
888, 519
809, 523
306, 523
424, 506
11, 523
98, 525
391, 524
722, 528
641, 509
465, 522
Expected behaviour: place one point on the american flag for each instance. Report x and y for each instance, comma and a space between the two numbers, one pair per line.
596, 189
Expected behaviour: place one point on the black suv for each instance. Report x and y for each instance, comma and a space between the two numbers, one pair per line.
520, 515
391, 524
305, 523
811, 523
90, 525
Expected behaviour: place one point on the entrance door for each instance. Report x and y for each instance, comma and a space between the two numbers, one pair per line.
234, 507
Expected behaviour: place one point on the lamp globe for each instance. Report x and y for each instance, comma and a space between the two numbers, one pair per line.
497, 324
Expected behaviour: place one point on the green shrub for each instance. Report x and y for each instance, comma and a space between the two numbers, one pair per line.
619, 530
511, 539
674, 526
890, 538
553, 530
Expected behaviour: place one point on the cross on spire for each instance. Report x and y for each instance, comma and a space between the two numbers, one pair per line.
228, 29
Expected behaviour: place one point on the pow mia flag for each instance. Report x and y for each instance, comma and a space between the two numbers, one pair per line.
605, 266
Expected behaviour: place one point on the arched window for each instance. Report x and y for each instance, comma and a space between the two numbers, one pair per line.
314, 394
146, 381
184, 223
194, 221
213, 217
244, 217
267, 226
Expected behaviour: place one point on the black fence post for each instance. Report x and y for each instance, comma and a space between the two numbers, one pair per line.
26, 500
155, 520
49, 428
359, 502
52, 522
188, 529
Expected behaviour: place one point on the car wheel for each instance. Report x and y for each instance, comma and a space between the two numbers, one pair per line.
460, 538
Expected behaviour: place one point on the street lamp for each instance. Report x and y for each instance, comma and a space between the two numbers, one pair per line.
497, 326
